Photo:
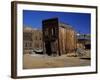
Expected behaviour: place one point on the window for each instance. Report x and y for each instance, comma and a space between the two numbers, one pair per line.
40, 38
25, 44
53, 31
30, 45
46, 32
27, 36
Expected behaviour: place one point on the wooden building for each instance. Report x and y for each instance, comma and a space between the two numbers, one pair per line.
32, 40
58, 38
27, 40
37, 42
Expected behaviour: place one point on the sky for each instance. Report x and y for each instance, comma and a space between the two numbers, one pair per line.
81, 22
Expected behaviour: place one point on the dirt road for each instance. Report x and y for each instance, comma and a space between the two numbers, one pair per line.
43, 61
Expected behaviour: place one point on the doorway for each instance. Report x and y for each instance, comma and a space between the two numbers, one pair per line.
48, 48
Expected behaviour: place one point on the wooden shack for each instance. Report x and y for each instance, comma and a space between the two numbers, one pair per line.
58, 38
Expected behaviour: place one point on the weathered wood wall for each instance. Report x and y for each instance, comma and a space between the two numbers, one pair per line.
67, 39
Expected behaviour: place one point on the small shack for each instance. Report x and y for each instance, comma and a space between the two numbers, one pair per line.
58, 38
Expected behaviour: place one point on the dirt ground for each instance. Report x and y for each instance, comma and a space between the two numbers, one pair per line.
31, 61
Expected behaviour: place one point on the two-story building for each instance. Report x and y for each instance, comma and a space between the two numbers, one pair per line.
32, 39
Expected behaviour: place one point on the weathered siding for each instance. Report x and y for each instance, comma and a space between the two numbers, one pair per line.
32, 40
67, 39
60, 41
